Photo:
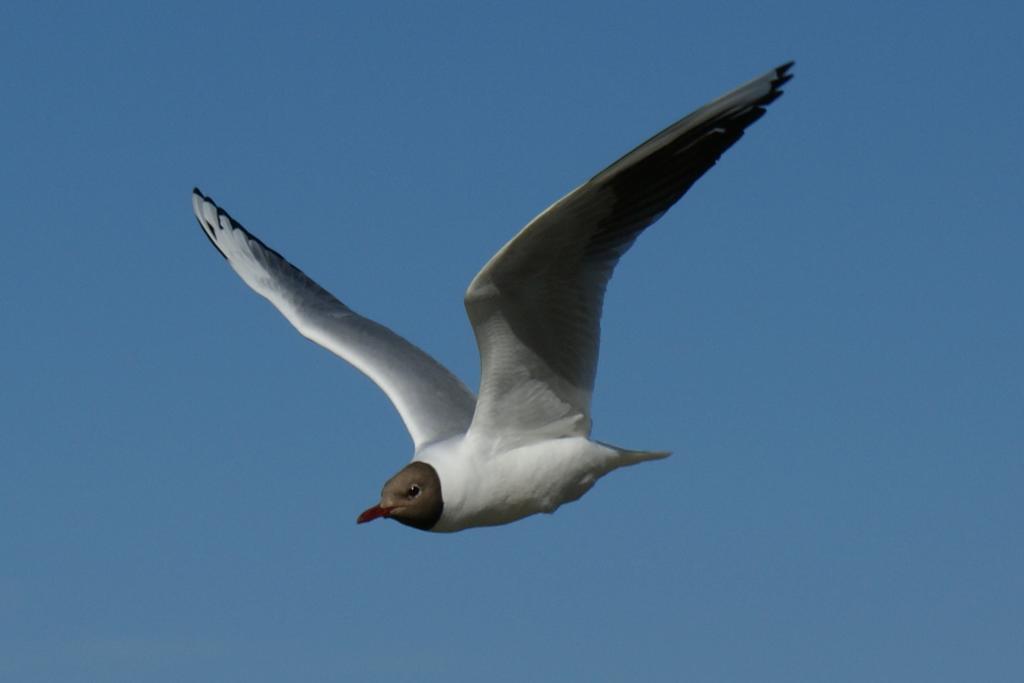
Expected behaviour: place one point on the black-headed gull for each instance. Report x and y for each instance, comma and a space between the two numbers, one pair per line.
523, 445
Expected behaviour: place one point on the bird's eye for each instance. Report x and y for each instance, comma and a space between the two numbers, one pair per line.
413, 491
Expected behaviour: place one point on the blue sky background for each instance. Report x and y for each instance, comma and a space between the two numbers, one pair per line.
827, 331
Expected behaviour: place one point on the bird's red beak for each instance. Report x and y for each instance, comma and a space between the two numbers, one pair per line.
372, 514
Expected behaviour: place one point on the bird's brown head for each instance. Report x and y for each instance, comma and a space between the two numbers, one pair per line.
412, 497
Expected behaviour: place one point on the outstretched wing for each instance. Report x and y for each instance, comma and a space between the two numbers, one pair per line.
536, 306
432, 402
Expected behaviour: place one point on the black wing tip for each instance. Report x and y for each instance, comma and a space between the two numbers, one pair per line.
235, 225
782, 75
208, 233
196, 192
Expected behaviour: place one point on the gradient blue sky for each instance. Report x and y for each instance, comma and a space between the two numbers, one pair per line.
827, 332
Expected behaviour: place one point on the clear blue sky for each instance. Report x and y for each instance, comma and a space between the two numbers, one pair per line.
827, 332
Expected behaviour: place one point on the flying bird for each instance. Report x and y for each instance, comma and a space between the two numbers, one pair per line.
522, 445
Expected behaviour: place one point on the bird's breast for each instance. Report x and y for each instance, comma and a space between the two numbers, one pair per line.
486, 488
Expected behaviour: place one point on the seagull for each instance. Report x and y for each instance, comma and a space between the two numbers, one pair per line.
522, 446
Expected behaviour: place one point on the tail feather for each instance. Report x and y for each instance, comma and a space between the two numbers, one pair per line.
628, 457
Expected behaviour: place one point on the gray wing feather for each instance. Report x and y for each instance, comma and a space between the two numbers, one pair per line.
431, 401
536, 306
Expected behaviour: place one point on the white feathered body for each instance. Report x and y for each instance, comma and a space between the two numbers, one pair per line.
484, 485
